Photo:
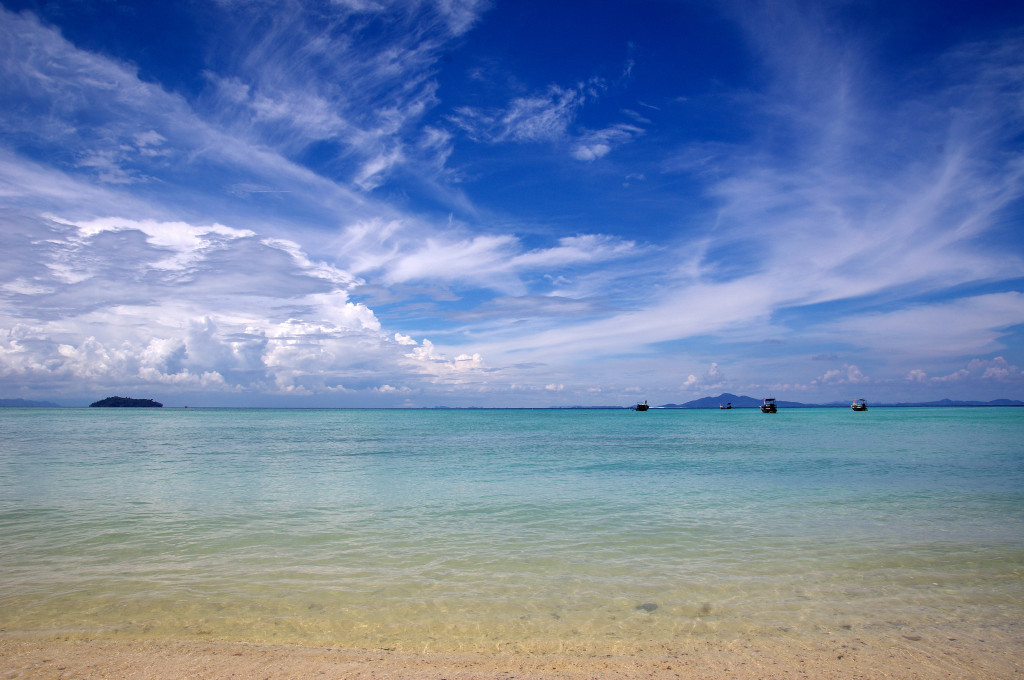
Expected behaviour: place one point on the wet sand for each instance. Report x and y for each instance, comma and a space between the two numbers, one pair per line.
840, 658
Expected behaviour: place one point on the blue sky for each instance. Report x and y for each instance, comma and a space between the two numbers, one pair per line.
529, 203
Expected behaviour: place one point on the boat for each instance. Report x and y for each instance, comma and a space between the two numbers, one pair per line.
727, 406
768, 406
641, 407
859, 405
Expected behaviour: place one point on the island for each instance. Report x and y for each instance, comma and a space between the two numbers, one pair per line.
26, 403
127, 403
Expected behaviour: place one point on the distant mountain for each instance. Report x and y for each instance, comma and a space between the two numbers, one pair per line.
722, 399
949, 402
739, 401
25, 403
126, 402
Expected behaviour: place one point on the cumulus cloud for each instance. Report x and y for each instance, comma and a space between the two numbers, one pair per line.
710, 380
848, 374
997, 369
189, 244
252, 313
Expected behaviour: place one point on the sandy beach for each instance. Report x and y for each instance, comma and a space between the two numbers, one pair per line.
845, 657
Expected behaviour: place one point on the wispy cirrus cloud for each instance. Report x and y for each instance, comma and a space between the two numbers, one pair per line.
544, 116
328, 76
968, 326
548, 116
400, 252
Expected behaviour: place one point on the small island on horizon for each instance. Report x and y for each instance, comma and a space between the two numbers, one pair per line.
126, 402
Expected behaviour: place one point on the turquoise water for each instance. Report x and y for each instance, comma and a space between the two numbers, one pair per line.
524, 529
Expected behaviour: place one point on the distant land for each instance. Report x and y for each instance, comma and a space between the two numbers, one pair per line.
125, 402
739, 401
25, 403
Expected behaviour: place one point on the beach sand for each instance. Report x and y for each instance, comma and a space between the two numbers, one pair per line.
841, 658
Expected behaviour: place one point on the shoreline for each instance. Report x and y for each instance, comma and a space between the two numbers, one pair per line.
839, 658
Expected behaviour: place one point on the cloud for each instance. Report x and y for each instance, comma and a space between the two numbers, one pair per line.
711, 379
544, 116
190, 306
547, 116
301, 77
403, 251
189, 244
324, 76
598, 143
958, 327
997, 369
848, 374
429, 361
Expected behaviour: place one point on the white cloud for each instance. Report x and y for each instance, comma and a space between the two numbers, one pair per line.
848, 374
712, 379
547, 116
429, 360
541, 117
244, 319
388, 389
189, 243
598, 143
401, 252
591, 151
964, 326
997, 369
312, 75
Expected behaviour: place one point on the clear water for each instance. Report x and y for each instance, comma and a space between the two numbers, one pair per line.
510, 529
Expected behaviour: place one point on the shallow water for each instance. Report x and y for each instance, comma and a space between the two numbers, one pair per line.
535, 529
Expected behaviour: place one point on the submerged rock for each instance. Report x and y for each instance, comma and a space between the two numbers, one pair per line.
647, 607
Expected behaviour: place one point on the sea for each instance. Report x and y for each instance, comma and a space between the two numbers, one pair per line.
602, 531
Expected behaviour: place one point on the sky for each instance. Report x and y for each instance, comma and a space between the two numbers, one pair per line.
510, 203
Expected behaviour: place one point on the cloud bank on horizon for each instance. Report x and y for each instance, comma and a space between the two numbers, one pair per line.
461, 202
